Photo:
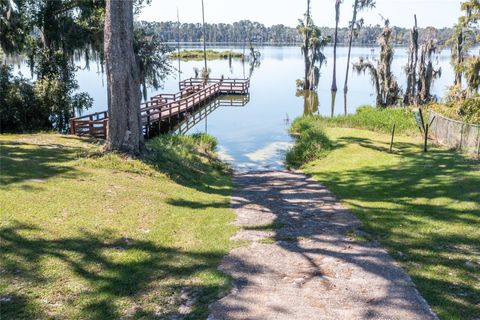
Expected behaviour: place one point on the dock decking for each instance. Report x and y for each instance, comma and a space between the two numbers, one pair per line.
163, 107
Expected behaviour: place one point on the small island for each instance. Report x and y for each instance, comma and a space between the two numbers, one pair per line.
211, 55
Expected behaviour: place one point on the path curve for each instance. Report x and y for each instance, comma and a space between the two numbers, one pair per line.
302, 264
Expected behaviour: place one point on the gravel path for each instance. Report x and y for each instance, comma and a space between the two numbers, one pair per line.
301, 263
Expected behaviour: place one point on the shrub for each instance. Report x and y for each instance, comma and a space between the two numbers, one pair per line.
311, 141
45, 104
20, 110
466, 110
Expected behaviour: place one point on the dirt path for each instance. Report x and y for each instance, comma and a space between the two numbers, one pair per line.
303, 265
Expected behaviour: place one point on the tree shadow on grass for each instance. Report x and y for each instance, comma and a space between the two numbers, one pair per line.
111, 269
21, 161
195, 205
188, 165
417, 209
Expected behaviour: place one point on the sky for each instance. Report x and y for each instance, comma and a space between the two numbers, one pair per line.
436, 13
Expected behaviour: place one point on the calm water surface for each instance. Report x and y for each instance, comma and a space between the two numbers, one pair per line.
254, 137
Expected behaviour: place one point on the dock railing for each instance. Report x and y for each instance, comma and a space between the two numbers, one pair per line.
238, 86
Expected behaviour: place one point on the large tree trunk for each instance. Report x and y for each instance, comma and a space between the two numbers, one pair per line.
411, 70
306, 84
124, 96
350, 40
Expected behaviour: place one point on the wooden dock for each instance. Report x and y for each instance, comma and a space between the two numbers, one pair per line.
164, 107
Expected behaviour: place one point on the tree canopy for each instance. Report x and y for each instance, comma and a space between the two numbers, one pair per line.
55, 35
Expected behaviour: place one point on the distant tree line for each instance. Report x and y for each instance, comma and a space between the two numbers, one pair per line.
248, 31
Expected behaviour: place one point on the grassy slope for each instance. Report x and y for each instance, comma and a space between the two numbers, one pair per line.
378, 120
424, 208
88, 236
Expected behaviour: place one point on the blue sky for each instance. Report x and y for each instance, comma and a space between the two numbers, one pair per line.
437, 13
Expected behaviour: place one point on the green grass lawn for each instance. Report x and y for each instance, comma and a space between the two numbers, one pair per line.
424, 208
84, 235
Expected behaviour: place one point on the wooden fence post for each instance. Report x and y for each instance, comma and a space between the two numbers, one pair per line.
461, 136
478, 142
425, 145
391, 141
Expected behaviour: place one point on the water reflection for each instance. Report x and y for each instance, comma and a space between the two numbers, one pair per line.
310, 101
191, 119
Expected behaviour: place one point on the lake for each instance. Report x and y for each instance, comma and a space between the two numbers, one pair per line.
254, 136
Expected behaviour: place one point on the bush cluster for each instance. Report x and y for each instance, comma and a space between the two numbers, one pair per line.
311, 141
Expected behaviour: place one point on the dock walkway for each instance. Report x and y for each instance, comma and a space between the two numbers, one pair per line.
163, 107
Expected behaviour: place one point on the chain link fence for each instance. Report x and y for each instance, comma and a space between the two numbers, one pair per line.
455, 134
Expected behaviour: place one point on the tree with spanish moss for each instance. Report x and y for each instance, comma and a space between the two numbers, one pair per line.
420, 70
411, 68
312, 47
54, 36
466, 32
386, 86
427, 73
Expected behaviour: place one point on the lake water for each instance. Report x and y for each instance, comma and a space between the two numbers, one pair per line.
255, 137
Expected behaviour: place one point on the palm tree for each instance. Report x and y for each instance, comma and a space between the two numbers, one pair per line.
335, 39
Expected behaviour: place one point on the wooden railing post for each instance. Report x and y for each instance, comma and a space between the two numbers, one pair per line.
90, 125
72, 127
147, 129
105, 127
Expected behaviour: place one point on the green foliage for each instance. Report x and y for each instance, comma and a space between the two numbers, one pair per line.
374, 119
56, 89
46, 104
152, 57
311, 142
472, 73
20, 109
471, 19
464, 36
465, 110
54, 34
51, 34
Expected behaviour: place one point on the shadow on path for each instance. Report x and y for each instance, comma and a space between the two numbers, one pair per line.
310, 269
